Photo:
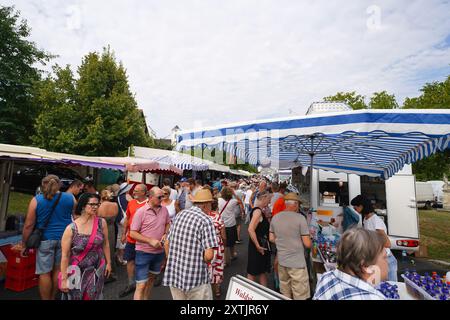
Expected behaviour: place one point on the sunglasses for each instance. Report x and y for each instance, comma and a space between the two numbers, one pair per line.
93, 204
160, 197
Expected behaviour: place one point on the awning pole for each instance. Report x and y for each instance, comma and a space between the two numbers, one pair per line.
311, 195
5, 179
312, 201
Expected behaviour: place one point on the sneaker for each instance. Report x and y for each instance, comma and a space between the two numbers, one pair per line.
238, 241
129, 289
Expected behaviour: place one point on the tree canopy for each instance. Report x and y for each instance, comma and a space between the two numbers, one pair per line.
19, 58
93, 114
355, 101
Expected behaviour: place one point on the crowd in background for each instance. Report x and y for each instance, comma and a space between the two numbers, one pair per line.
184, 235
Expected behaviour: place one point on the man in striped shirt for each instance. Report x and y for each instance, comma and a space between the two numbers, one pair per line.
189, 247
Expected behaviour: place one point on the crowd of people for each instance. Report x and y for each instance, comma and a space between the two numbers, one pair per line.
184, 236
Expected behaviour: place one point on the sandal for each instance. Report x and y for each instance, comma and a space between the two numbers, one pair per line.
218, 293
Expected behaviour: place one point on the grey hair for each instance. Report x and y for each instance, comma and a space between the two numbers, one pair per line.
153, 191
358, 248
143, 186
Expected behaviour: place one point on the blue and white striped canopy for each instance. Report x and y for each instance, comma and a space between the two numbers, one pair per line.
376, 143
183, 162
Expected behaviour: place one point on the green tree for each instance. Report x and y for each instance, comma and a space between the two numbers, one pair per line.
95, 114
435, 95
383, 100
355, 101
19, 73
433, 167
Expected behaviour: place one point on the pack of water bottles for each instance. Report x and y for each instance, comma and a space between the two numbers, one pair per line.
390, 291
427, 287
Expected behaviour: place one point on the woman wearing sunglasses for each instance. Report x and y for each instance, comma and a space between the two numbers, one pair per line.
86, 259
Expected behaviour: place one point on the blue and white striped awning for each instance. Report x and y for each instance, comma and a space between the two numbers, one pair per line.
180, 160
183, 162
365, 142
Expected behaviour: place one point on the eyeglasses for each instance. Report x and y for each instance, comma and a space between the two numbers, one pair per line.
93, 204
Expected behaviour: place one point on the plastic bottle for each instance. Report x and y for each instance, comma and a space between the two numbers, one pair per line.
404, 255
314, 252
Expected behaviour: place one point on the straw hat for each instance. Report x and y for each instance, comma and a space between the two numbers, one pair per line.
203, 195
292, 196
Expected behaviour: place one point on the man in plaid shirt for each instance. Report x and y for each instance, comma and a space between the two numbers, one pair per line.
362, 263
189, 247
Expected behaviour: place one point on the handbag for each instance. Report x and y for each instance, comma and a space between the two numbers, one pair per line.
81, 256
264, 243
35, 238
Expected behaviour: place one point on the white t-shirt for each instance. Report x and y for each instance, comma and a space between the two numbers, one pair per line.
229, 214
375, 223
173, 194
248, 194
171, 209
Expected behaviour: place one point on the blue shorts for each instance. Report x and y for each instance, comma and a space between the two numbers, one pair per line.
129, 253
147, 263
48, 256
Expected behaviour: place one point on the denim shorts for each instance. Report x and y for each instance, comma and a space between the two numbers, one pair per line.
130, 252
147, 263
48, 256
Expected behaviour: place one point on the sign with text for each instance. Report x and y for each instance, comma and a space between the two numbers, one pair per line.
240, 288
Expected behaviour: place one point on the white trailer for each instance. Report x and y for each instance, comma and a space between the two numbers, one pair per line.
394, 200
424, 195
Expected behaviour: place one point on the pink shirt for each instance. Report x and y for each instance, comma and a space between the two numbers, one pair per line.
150, 223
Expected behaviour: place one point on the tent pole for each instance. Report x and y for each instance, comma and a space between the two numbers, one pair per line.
5, 180
2, 194
311, 181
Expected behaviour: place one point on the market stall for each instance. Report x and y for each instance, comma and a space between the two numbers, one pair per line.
371, 143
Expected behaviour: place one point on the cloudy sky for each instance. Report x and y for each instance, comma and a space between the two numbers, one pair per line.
207, 62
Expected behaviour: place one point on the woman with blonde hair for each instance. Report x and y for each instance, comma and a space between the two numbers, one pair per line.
109, 210
170, 204
259, 255
50, 212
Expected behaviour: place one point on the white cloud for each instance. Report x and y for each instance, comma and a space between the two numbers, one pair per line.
224, 61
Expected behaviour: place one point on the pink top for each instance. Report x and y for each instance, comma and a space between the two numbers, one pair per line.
150, 223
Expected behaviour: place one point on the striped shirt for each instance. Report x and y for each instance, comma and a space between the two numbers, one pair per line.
190, 234
337, 285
